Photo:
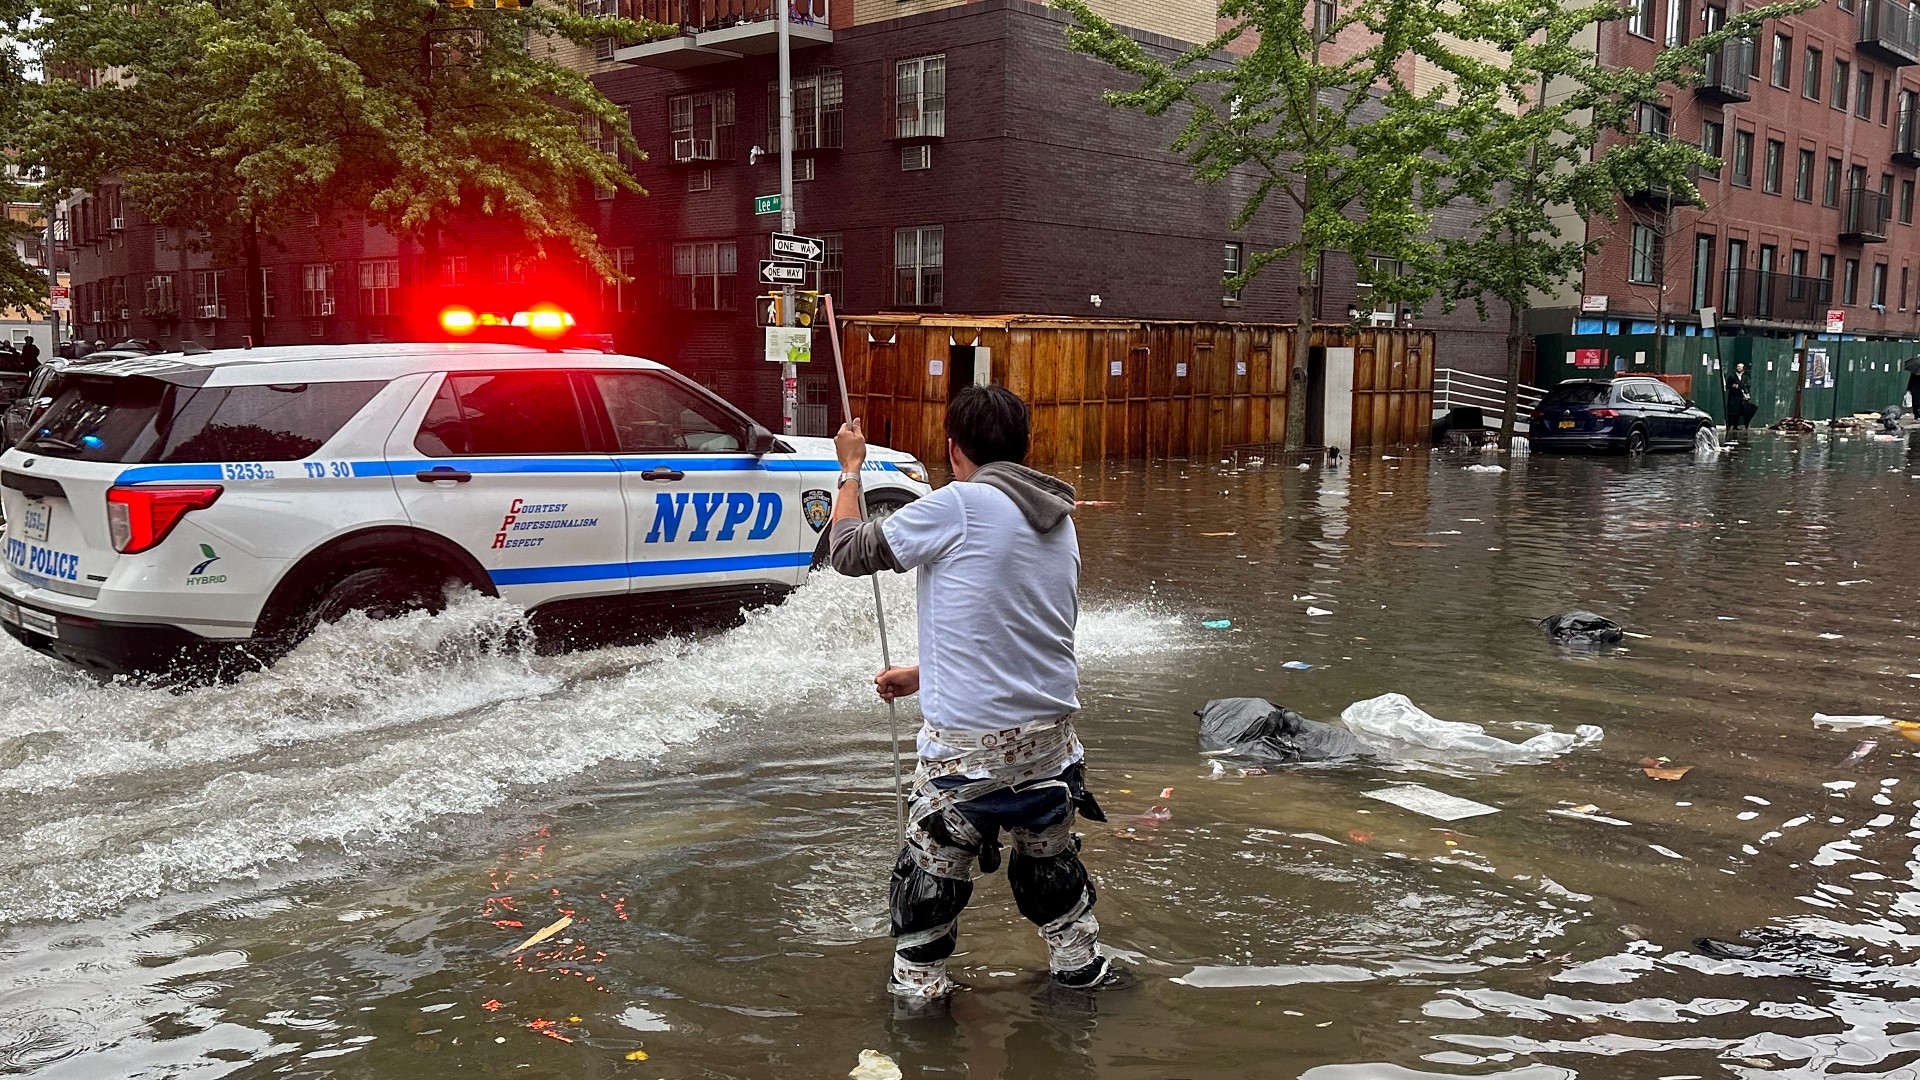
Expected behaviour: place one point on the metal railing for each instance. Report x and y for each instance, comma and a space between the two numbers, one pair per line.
1728, 71
1453, 388
1772, 296
1864, 213
1906, 132
1890, 30
693, 15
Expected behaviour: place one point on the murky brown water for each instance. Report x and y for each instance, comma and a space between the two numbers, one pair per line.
321, 872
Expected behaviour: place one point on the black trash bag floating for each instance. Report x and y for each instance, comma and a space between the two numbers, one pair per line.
1797, 954
1257, 731
1582, 628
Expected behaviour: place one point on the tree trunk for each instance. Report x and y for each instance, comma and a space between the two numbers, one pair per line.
256, 291
1297, 369
1513, 375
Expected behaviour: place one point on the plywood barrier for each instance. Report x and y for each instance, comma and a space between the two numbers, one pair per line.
1114, 390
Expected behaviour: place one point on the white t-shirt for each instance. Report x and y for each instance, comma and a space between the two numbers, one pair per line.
998, 603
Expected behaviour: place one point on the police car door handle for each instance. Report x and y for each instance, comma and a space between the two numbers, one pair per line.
443, 472
663, 474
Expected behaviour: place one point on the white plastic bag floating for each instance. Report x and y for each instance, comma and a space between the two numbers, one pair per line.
1484, 469
1398, 727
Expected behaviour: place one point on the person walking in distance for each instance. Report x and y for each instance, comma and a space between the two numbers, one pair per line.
1740, 407
998, 567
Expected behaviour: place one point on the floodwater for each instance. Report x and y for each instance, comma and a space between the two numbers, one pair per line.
323, 870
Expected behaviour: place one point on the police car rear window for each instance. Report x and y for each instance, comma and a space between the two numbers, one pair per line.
134, 419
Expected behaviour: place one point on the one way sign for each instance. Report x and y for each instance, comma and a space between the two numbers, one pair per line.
783, 273
804, 248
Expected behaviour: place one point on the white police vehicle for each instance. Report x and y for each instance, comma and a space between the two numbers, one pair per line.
190, 514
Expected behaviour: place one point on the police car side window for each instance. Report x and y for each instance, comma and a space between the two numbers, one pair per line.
509, 412
653, 414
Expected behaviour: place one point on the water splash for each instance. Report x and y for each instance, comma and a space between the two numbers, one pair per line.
372, 730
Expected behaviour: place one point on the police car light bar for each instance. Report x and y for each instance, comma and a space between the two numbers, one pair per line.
548, 322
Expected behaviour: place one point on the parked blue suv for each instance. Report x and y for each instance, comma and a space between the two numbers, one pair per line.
1633, 414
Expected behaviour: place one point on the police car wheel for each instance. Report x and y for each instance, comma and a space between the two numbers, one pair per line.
381, 592
880, 504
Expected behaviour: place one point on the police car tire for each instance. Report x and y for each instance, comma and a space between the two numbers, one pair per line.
879, 505
381, 592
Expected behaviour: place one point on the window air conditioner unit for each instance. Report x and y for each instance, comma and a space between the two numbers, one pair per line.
704, 150
208, 311
683, 150
326, 306
117, 224
916, 157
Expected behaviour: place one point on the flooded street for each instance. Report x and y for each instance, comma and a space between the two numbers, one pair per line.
323, 870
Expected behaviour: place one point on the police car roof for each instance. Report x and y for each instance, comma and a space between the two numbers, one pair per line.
382, 360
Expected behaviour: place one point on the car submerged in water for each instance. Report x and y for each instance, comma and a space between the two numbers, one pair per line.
1630, 415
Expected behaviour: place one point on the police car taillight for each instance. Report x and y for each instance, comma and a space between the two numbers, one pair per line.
140, 517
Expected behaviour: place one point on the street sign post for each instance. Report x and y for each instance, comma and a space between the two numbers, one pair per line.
767, 204
804, 248
782, 273
62, 297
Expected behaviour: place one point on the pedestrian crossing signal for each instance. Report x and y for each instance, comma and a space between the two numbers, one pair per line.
771, 310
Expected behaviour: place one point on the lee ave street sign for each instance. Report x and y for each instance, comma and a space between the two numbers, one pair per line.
783, 273
804, 248
766, 204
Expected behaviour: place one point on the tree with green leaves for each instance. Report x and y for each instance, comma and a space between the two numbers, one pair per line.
230, 116
21, 285
1548, 131
1338, 134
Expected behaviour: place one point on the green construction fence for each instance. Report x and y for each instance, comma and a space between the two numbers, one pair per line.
1867, 376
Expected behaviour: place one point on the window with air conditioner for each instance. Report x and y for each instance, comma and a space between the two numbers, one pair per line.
701, 126
705, 275
160, 300
316, 290
1378, 269
819, 118
920, 97
378, 280
207, 301
917, 157
919, 264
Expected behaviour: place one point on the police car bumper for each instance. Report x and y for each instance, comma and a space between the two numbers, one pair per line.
115, 647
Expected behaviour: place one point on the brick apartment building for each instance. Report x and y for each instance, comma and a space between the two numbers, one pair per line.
954, 156
1814, 209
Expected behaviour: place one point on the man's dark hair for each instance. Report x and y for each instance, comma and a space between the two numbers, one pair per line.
989, 423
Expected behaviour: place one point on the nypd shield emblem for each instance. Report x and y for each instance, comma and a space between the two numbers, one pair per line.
817, 504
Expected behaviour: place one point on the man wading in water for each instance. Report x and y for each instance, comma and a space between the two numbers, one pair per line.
998, 564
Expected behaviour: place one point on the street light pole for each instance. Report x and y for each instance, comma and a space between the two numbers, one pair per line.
789, 374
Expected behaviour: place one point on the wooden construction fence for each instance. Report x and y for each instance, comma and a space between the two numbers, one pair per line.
1125, 390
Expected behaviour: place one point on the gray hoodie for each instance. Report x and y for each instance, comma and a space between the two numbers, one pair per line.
860, 548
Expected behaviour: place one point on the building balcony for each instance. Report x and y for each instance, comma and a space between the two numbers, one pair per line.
1864, 213
1890, 32
1728, 74
1906, 135
716, 31
1772, 297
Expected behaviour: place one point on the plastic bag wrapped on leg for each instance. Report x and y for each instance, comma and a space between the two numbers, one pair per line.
1394, 725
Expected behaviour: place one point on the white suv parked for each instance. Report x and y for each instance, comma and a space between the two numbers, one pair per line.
188, 514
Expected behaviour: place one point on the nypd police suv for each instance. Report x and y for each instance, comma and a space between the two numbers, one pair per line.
181, 513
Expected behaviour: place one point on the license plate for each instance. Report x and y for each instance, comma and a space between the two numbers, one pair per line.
40, 622
35, 519
1566, 423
